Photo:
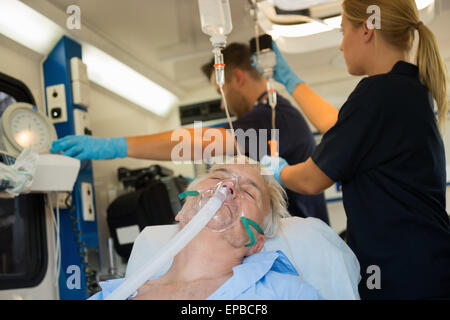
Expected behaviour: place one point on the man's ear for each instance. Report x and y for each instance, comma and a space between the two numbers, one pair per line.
239, 77
259, 244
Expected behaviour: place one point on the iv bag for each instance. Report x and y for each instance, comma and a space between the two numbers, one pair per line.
215, 17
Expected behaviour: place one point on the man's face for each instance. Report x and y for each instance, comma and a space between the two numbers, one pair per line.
237, 104
251, 192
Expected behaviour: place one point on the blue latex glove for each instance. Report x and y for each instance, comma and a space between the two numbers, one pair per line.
282, 71
91, 148
276, 165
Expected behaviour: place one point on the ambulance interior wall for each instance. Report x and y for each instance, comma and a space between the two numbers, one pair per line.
111, 115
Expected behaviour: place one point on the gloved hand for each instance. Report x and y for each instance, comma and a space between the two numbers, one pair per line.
282, 71
276, 165
91, 148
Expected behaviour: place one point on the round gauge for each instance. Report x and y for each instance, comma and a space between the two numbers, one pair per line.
23, 127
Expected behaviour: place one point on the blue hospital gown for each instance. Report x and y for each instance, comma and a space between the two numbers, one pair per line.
267, 275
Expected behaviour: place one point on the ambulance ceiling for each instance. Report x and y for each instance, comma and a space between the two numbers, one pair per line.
165, 37
163, 34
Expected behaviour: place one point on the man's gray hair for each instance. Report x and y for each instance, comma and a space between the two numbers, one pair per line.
278, 197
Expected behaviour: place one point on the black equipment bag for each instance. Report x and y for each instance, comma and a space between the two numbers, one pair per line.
154, 203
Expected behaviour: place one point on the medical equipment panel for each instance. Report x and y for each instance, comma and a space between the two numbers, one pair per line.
56, 103
78, 236
80, 82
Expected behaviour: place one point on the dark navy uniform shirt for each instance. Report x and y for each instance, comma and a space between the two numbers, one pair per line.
296, 144
387, 151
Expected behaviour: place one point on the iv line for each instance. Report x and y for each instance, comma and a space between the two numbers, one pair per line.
229, 118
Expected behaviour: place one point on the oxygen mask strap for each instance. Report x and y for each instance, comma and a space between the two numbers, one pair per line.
188, 194
247, 223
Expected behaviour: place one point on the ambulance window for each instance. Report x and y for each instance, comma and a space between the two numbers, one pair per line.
23, 240
5, 101
23, 254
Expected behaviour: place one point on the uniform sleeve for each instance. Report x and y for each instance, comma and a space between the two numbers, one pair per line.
347, 148
247, 131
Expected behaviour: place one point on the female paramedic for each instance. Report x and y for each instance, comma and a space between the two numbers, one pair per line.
385, 147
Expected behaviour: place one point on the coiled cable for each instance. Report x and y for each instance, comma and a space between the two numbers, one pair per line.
90, 275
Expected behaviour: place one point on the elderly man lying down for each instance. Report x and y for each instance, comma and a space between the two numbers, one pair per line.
225, 261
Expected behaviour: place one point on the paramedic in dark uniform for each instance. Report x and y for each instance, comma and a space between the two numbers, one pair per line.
245, 92
387, 151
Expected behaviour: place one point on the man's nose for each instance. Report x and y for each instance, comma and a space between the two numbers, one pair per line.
230, 184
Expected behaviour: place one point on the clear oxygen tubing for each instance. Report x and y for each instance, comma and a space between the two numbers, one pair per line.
170, 250
219, 66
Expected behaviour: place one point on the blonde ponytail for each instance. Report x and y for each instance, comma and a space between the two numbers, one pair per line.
432, 70
399, 21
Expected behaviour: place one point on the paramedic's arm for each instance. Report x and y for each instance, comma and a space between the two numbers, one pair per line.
161, 145
305, 178
319, 112
181, 143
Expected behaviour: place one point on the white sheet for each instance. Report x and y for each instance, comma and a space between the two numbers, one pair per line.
321, 257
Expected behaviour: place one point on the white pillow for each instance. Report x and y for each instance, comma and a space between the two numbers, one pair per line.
320, 256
